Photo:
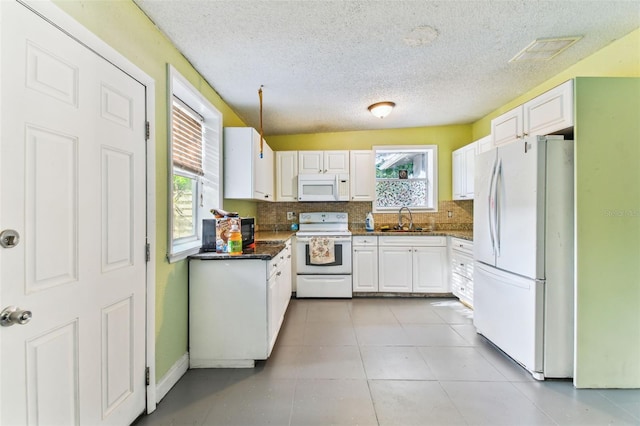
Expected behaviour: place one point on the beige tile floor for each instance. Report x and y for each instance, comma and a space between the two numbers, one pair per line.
382, 361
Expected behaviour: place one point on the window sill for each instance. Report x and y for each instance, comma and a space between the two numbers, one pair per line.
182, 251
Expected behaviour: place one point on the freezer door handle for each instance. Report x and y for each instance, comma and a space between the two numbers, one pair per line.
491, 207
497, 206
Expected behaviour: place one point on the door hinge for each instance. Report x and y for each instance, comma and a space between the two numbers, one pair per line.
147, 130
147, 376
147, 255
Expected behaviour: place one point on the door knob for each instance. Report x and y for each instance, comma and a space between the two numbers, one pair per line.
13, 315
9, 238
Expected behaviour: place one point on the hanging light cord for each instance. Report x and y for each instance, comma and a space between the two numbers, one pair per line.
261, 130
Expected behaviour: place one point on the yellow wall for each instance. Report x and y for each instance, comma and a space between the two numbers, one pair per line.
607, 134
448, 139
124, 27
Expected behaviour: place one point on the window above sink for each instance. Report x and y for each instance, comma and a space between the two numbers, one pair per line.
406, 176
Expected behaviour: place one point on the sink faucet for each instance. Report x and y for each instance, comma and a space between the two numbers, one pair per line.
400, 226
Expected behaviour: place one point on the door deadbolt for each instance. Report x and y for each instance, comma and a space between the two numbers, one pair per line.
9, 238
13, 315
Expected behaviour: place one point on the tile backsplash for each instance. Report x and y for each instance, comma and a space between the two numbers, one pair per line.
273, 216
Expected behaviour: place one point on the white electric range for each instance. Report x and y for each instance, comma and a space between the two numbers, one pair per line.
328, 277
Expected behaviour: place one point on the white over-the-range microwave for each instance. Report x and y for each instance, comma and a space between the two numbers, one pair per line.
323, 187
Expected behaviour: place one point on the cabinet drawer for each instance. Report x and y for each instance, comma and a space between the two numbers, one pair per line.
463, 265
371, 240
412, 241
462, 288
463, 246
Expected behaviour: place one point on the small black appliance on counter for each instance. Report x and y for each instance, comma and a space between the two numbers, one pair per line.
209, 237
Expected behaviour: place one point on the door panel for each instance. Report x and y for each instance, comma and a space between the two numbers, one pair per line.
51, 236
482, 239
520, 197
52, 377
72, 183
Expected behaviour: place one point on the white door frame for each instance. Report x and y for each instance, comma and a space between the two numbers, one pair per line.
73, 28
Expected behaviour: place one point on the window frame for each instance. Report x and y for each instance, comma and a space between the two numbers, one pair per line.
431, 179
209, 186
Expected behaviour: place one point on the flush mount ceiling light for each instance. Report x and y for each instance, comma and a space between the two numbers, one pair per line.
381, 109
543, 49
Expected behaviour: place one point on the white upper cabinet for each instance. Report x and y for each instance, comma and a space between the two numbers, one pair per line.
362, 175
247, 175
550, 112
507, 127
319, 162
484, 144
463, 171
286, 175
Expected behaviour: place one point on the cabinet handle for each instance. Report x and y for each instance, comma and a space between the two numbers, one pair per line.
289, 257
275, 265
278, 273
325, 171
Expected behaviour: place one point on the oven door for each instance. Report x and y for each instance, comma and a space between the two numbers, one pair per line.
341, 265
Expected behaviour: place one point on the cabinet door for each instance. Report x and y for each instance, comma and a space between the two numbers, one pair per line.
469, 170
550, 112
263, 173
430, 270
272, 311
484, 144
362, 175
286, 175
395, 269
310, 162
458, 159
365, 269
463, 162
336, 162
507, 127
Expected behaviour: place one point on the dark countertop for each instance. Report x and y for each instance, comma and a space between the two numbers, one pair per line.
465, 235
268, 244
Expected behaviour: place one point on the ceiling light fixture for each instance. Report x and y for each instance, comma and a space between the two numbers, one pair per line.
381, 109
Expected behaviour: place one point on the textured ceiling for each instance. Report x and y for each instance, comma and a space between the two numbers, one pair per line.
323, 62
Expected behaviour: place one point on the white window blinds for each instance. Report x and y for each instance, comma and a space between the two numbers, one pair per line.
187, 138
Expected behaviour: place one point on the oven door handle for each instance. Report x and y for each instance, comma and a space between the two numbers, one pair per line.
335, 239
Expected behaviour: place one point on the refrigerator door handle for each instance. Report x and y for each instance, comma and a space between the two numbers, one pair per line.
491, 207
497, 205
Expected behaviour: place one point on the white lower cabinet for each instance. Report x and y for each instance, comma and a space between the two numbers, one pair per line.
413, 264
429, 270
236, 308
365, 264
462, 270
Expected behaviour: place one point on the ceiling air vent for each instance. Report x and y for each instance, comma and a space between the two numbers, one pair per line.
543, 49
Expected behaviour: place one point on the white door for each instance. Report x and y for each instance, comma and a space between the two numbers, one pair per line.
336, 162
365, 269
483, 235
521, 195
72, 172
310, 162
395, 273
286, 175
430, 270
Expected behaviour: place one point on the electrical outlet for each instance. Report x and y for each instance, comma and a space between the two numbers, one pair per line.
291, 215
449, 213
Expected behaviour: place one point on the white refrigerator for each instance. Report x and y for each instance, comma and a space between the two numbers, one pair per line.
523, 251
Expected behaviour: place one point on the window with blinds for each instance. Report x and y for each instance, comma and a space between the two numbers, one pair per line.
195, 181
187, 138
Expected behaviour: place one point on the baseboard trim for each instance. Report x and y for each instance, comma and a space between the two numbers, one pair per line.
174, 374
